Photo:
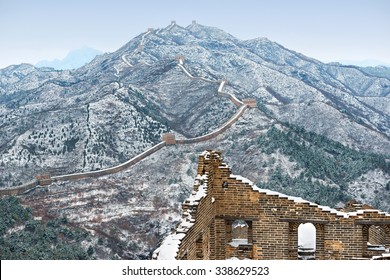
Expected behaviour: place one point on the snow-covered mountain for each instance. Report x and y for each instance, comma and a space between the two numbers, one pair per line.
73, 60
365, 63
313, 133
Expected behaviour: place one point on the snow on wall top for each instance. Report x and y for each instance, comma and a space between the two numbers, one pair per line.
301, 200
170, 246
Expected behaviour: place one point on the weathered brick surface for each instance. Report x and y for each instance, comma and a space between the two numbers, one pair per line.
377, 235
251, 102
44, 180
273, 220
169, 138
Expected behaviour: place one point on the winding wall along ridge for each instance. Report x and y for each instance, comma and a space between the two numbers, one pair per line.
110, 170
232, 98
18, 190
125, 61
216, 132
138, 49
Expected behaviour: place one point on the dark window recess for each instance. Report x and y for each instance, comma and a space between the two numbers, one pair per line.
225, 185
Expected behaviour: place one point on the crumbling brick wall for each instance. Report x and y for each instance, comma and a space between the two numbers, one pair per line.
272, 218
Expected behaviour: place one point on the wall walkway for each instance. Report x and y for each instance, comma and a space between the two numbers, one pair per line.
22, 189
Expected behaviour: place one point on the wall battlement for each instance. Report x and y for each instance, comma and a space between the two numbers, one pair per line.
227, 216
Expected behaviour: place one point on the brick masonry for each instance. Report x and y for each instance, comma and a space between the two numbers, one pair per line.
169, 138
272, 219
252, 103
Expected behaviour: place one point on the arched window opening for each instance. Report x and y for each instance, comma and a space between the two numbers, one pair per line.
239, 233
306, 241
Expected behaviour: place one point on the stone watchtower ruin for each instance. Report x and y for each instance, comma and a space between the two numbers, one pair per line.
251, 102
227, 216
169, 138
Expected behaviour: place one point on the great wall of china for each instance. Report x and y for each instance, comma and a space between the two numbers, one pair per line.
167, 139
228, 217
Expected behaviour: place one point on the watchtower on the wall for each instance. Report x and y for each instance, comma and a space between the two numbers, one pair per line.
180, 58
169, 138
44, 179
251, 102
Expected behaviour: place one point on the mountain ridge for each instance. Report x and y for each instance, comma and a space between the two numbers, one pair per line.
120, 103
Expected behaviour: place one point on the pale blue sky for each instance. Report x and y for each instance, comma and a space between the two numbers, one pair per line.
329, 30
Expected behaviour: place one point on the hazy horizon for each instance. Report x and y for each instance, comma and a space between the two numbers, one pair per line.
329, 31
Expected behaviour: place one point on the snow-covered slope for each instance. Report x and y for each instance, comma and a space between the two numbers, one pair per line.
119, 104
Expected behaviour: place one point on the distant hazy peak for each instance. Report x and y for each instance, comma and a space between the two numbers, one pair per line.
74, 59
364, 63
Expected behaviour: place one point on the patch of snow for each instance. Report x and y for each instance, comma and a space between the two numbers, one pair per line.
385, 255
238, 241
239, 223
197, 196
170, 246
377, 248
